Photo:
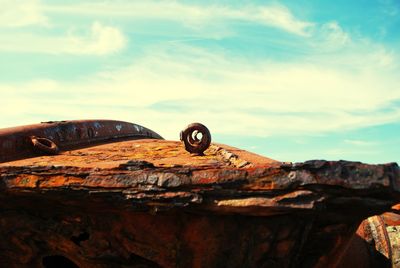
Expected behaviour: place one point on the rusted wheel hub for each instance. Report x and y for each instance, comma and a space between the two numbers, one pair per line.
196, 137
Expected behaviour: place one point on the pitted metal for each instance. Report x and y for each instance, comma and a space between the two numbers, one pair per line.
50, 137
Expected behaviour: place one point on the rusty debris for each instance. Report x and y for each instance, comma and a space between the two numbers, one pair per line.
147, 203
375, 244
196, 137
50, 137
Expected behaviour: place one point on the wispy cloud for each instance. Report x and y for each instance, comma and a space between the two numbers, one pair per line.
99, 40
20, 13
360, 142
333, 34
275, 16
338, 81
338, 153
213, 21
255, 98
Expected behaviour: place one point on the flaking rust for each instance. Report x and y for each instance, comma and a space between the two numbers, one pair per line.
50, 137
148, 203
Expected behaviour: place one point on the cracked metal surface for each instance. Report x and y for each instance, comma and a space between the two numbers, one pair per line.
150, 203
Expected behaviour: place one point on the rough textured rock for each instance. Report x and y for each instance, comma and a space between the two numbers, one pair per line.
149, 203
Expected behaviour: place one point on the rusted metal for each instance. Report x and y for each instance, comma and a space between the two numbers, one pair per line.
167, 208
49, 137
375, 244
394, 236
381, 235
225, 208
196, 137
374, 231
44, 145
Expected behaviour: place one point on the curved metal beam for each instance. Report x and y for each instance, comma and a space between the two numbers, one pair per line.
15, 142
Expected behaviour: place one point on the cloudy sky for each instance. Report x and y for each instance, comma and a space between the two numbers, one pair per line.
293, 80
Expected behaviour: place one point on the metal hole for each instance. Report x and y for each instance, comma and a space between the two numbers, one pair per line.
90, 133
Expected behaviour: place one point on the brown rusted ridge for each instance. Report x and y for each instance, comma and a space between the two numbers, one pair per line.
19, 142
149, 203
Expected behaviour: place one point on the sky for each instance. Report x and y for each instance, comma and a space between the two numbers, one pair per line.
291, 80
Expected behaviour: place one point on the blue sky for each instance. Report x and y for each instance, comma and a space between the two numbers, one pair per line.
293, 80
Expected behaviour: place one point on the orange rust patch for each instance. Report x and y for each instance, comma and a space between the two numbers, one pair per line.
396, 207
34, 181
59, 181
159, 152
266, 183
24, 181
391, 219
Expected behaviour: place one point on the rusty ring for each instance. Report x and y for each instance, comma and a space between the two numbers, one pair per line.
44, 145
194, 144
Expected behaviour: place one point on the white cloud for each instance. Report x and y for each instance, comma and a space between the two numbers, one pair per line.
334, 34
338, 153
100, 40
19, 13
383, 58
231, 96
276, 16
347, 89
280, 17
360, 142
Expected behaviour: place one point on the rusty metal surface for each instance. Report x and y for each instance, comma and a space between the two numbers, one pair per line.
44, 145
21, 142
151, 203
374, 231
376, 242
196, 138
160, 153
381, 236
394, 237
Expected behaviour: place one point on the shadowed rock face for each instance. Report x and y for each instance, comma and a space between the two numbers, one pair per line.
149, 203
